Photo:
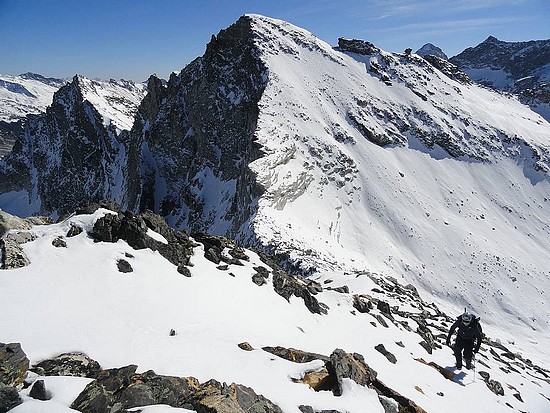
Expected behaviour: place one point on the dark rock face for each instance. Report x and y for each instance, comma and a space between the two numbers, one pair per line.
448, 69
519, 59
69, 364
199, 133
287, 286
9, 132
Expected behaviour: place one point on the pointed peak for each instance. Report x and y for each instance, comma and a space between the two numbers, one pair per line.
491, 39
430, 49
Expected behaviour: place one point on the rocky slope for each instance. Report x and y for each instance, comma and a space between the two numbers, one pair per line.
199, 323
522, 68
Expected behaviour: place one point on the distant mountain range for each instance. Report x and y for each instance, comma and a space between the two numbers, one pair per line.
31, 94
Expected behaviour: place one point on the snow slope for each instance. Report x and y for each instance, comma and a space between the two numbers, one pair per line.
470, 230
25, 94
74, 299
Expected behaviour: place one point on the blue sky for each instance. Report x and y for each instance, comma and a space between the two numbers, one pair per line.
132, 39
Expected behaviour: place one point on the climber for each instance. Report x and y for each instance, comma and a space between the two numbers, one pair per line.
468, 338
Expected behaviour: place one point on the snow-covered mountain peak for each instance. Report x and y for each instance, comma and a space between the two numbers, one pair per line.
116, 100
431, 50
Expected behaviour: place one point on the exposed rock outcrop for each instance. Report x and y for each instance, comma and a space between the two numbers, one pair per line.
13, 370
116, 390
68, 364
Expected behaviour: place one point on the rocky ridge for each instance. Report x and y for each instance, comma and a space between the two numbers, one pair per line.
522, 68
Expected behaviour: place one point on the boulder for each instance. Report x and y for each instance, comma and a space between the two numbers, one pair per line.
294, 355
38, 391
362, 303
74, 231
495, 387
59, 242
352, 366
391, 358
12, 254
258, 279
9, 222
133, 229
286, 286
13, 364
115, 390
69, 364
124, 266
214, 397
9, 398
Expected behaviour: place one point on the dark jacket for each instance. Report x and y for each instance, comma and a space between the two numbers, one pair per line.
469, 332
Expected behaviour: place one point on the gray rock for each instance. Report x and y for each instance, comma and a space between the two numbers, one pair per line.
286, 286
381, 349
74, 231
38, 391
9, 398
69, 364
59, 242
384, 307
124, 266
133, 229
11, 254
258, 279
13, 364
294, 355
361, 303
10, 222
214, 397
495, 387
352, 366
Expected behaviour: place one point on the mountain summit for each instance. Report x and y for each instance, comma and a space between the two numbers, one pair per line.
431, 50
342, 158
